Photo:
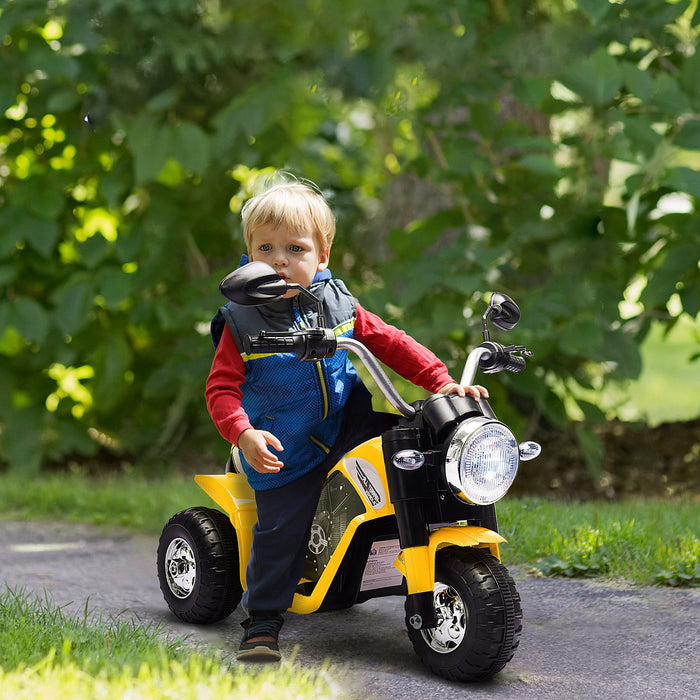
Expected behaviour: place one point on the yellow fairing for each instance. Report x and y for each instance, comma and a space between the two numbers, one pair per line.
234, 495
417, 564
377, 505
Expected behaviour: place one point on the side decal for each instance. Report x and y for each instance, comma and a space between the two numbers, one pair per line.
367, 480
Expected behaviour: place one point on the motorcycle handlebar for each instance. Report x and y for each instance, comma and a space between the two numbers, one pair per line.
314, 344
309, 345
497, 358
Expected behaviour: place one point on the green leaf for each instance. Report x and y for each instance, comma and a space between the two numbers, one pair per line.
690, 298
7, 274
540, 164
94, 250
29, 318
592, 412
532, 90
114, 286
8, 96
163, 100
669, 97
21, 441
149, 143
73, 304
685, 180
47, 202
593, 451
20, 226
679, 262
690, 78
595, 10
582, 336
62, 101
640, 133
112, 361
190, 147
596, 78
639, 82
689, 135
252, 112
68, 437
625, 352
42, 236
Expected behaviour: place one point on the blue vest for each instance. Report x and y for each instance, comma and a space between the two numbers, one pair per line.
301, 403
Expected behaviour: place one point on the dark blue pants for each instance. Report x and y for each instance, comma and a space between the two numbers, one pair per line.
285, 514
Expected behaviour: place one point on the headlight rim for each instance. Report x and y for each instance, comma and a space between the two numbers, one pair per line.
452, 461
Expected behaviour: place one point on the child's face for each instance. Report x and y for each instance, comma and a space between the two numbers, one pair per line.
295, 256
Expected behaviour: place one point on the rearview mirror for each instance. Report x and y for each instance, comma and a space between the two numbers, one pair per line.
257, 283
503, 311
253, 284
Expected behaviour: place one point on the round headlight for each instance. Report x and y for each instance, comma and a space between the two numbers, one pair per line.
481, 461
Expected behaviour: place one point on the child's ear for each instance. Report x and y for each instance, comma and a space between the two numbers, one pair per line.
323, 259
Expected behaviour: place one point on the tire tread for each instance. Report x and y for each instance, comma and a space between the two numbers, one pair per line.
217, 590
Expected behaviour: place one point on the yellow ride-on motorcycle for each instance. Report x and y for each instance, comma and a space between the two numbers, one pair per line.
409, 513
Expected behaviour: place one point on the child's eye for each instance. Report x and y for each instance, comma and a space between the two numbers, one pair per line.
265, 248
295, 248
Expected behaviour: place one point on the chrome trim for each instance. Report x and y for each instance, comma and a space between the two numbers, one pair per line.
529, 450
408, 460
472, 364
452, 620
378, 374
454, 453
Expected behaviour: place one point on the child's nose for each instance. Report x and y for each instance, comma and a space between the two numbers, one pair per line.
279, 259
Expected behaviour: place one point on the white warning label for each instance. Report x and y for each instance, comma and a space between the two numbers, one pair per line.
380, 571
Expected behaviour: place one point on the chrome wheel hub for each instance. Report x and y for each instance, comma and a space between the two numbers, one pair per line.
180, 568
451, 616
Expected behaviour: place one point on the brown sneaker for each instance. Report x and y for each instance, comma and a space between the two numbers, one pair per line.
260, 638
259, 650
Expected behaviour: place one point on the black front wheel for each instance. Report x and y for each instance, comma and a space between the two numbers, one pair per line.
198, 566
479, 618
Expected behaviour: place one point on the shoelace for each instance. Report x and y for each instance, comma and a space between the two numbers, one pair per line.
263, 626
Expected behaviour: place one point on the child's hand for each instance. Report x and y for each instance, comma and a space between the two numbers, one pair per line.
476, 391
253, 444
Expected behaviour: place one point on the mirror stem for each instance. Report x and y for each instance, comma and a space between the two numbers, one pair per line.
314, 298
485, 326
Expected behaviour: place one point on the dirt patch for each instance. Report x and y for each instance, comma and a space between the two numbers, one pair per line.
637, 461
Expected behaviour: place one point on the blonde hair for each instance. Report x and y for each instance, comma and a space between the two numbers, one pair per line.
294, 205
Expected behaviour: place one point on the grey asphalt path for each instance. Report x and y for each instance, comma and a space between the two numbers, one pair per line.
581, 639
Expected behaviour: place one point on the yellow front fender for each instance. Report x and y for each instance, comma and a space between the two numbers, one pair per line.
417, 564
235, 496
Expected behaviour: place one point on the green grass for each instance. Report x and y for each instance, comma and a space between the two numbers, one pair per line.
45, 652
133, 502
645, 541
640, 540
32, 628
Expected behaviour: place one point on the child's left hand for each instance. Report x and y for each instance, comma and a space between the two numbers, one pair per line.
476, 391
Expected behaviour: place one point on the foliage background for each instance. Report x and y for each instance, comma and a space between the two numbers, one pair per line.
549, 149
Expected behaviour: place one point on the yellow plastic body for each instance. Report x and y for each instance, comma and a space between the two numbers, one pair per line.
232, 493
417, 564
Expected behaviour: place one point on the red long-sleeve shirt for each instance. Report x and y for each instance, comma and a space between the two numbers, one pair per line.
392, 346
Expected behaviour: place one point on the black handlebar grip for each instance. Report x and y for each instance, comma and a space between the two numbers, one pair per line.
500, 358
515, 364
308, 345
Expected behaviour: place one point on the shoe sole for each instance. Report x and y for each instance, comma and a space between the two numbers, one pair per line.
259, 654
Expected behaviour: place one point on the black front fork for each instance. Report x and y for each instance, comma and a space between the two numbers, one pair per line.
407, 488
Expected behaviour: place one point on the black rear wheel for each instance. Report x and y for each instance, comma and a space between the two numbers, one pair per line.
478, 614
198, 566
